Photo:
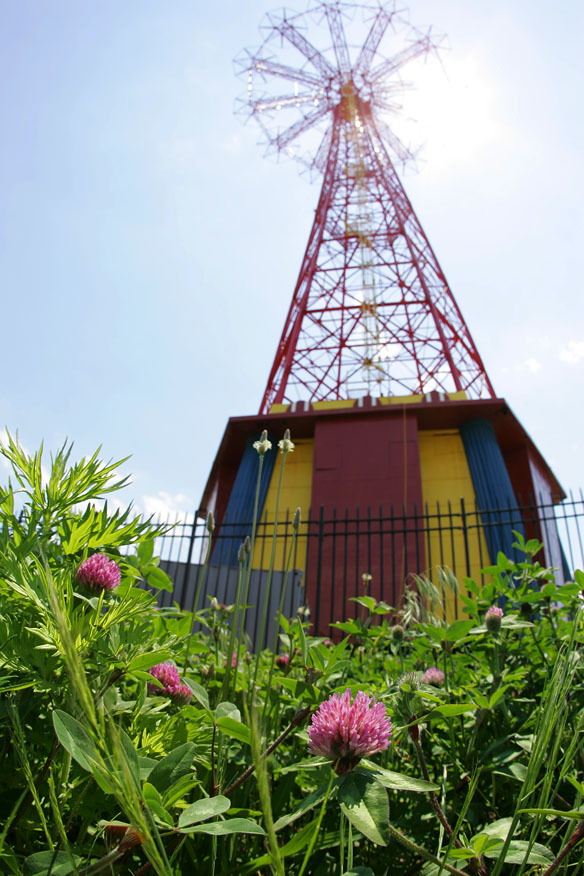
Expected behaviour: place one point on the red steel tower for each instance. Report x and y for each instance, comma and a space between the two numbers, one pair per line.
372, 313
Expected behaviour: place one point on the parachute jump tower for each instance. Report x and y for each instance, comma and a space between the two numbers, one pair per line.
376, 373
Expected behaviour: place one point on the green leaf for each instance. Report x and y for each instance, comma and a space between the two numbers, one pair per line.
157, 578
359, 871
75, 739
306, 804
515, 853
367, 602
577, 814
222, 828
208, 807
154, 802
317, 658
55, 863
302, 641
145, 551
349, 627
131, 756
173, 767
458, 630
227, 709
364, 801
199, 693
499, 828
399, 781
147, 661
451, 709
462, 854
235, 729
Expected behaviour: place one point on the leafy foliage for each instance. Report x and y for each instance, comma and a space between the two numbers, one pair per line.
484, 773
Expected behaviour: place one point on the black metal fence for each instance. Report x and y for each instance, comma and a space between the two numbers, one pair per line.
340, 555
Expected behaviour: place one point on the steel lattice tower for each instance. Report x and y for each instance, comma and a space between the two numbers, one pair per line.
372, 312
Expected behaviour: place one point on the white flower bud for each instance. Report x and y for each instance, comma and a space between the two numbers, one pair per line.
296, 519
210, 524
286, 445
214, 604
263, 444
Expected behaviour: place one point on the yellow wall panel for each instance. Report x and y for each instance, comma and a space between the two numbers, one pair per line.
334, 404
295, 493
446, 476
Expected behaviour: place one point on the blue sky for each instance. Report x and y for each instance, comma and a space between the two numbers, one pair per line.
148, 251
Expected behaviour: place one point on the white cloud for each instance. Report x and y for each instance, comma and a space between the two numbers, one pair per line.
167, 506
532, 365
572, 352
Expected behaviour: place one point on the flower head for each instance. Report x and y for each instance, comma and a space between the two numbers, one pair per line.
282, 661
493, 619
98, 572
168, 676
346, 731
263, 444
397, 634
286, 445
433, 676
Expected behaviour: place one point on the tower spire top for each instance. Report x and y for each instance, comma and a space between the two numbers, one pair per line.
372, 312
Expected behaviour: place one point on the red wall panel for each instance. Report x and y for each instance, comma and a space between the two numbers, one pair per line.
364, 468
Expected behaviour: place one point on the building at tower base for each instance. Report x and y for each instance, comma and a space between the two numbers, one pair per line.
388, 487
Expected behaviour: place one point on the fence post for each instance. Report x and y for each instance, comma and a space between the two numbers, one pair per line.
319, 569
188, 566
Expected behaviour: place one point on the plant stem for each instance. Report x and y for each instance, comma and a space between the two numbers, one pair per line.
196, 602
572, 842
476, 865
296, 720
418, 850
317, 828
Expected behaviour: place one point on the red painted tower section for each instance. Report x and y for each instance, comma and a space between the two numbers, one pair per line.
372, 313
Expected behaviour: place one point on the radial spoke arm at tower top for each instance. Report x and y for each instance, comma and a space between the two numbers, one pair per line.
293, 35
392, 65
282, 140
380, 24
335, 23
267, 67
